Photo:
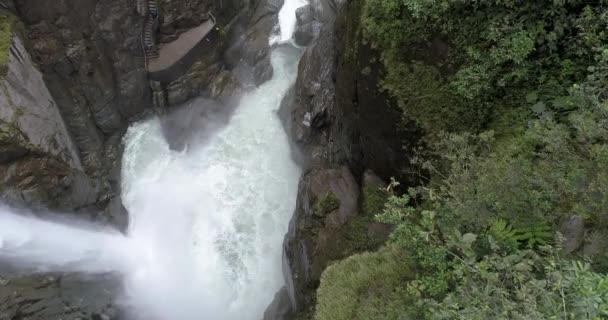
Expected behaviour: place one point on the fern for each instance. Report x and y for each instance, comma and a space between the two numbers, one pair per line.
504, 234
536, 234
511, 238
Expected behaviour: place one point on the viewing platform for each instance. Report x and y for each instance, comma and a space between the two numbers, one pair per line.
170, 54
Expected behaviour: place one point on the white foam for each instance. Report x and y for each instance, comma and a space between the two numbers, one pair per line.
287, 21
33, 244
211, 221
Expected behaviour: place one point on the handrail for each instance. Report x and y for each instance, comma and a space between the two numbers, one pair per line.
149, 17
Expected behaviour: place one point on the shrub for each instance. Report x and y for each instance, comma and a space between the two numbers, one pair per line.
327, 204
460, 65
513, 98
366, 286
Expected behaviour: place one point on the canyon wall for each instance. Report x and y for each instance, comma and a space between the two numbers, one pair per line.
351, 138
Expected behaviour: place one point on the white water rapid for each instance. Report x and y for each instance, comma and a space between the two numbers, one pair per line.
210, 221
206, 224
287, 21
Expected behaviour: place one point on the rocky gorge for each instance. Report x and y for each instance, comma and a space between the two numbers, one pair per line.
74, 79
363, 119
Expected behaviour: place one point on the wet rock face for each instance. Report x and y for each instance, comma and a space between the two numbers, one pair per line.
92, 63
344, 126
327, 200
29, 109
305, 25
280, 308
180, 15
323, 130
39, 165
68, 297
234, 56
252, 47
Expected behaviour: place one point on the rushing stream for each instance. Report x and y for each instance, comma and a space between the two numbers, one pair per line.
206, 224
211, 219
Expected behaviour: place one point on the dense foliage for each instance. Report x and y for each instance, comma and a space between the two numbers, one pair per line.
459, 65
512, 96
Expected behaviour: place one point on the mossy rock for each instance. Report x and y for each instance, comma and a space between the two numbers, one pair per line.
327, 204
374, 199
13, 144
367, 286
6, 36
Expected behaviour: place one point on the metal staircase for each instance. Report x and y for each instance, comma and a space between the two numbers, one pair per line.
149, 31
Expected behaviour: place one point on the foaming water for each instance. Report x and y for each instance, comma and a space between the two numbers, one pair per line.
287, 21
31, 244
209, 221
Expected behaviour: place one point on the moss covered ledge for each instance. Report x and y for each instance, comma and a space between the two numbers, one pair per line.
6, 36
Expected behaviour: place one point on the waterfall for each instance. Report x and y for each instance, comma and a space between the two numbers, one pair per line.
287, 21
210, 220
206, 224
32, 244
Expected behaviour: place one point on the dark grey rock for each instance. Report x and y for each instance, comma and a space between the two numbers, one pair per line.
68, 297
304, 15
313, 239
596, 243
573, 230
303, 34
280, 308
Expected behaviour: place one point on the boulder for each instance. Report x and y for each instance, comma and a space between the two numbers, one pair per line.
303, 33
596, 243
573, 230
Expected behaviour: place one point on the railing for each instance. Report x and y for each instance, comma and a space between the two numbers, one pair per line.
148, 42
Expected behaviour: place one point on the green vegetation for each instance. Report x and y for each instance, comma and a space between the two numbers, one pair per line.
512, 97
460, 65
374, 199
327, 204
6, 35
346, 292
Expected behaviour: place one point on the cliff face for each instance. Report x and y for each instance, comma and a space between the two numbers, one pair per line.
39, 163
31, 109
89, 53
351, 138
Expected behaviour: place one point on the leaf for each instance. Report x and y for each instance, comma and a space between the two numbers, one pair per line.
532, 97
538, 107
469, 238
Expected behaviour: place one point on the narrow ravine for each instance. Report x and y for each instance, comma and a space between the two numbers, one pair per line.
209, 221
